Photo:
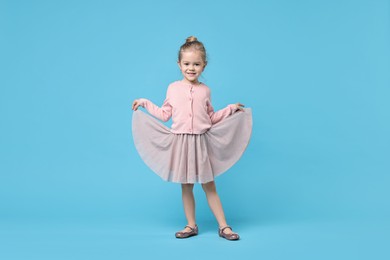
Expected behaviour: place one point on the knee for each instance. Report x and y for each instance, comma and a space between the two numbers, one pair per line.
209, 187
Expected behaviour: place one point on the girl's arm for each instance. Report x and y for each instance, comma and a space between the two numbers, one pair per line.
164, 113
220, 114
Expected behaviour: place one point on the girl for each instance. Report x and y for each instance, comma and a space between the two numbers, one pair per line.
201, 143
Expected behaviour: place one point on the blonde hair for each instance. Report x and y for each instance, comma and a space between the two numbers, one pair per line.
193, 43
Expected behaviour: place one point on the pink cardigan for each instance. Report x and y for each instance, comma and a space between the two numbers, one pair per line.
190, 108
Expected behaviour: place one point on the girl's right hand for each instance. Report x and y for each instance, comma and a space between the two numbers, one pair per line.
136, 104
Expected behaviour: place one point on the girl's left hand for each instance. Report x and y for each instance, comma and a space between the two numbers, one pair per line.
240, 106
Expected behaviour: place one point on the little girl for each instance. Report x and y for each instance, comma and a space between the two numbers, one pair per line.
201, 143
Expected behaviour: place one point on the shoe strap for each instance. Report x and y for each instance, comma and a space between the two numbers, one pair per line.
192, 229
222, 229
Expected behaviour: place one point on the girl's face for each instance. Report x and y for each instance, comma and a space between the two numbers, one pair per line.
191, 65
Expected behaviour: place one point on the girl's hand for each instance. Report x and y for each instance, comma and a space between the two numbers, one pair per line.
240, 106
135, 105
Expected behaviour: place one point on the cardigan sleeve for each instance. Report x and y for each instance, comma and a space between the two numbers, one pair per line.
163, 113
217, 116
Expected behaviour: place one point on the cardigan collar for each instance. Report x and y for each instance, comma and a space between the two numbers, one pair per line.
189, 84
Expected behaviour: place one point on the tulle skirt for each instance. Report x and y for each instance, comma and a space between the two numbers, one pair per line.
191, 158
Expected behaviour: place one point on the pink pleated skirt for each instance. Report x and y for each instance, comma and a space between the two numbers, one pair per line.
191, 158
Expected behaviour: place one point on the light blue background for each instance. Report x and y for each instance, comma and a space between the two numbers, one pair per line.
312, 184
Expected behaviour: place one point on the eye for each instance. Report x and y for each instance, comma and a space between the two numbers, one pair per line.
186, 63
197, 64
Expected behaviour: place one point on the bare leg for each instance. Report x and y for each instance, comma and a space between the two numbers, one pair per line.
189, 204
215, 204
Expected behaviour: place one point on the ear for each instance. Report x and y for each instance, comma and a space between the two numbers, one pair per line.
205, 64
178, 64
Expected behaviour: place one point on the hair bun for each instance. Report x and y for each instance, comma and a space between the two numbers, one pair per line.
191, 39
193, 44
